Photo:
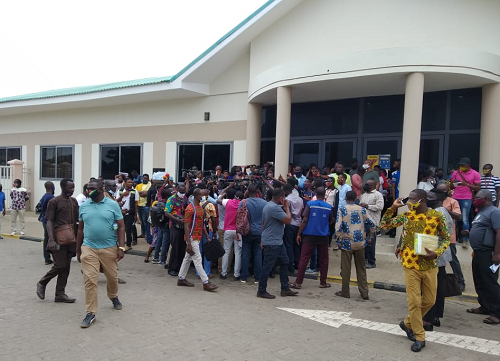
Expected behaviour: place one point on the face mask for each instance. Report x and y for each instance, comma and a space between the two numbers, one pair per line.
180, 195
486, 171
144, 182
478, 203
413, 206
328, 184
93, 194
367, 188
366, 166
463, 169
432, 203
298, 174
203, 199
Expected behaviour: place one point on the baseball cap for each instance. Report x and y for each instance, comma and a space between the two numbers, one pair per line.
464, 161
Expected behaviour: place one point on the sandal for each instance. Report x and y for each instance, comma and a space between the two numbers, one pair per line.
325, 285
146, 260
491, 320
477, 311
340, 294
295, 285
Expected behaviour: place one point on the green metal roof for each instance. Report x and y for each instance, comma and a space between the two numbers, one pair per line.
131, 83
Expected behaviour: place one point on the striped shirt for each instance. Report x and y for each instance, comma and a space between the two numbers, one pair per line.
491, 184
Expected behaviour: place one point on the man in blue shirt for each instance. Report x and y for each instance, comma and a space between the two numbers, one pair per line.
49, 194
275, 215
100, 243
2, 208
300, 176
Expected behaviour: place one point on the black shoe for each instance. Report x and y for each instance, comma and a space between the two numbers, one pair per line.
369, 265
166, 266
40, 291
65, 299
173, 273
288, 292
222, 277
48, 262
272, 275
409, 333
429, 328
436, 322
134, 243
117, 305
418, 346
266, 295
237, 278
88, 320
121, 282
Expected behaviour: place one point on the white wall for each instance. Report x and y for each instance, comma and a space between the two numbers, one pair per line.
239, 152
234, 79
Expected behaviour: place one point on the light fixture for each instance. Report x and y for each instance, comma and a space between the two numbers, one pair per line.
207, 116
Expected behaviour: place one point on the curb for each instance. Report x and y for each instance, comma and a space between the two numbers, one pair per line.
466, 297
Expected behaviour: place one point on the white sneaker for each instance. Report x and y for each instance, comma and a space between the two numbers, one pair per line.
243, 281
13, 234
22, 233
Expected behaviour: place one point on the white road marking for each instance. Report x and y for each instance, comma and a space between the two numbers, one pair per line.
337, 319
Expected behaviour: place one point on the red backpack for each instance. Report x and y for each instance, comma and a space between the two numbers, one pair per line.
243, 219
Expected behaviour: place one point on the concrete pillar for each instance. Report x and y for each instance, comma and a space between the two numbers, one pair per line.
490, 127
412, 125
254, 120
283, 120
16, 170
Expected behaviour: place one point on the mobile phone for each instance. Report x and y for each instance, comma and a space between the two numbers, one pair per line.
404, 200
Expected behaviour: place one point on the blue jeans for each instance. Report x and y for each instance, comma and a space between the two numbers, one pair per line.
251, 243
162, 243
370, 251
207, 265
271, 255
289, 239
46, 254
145, 226
465, 205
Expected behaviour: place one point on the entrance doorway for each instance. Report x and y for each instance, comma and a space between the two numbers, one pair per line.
322, 152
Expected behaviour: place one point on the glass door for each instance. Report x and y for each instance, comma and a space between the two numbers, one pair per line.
305, 153
431, 151
341, 150
382, 145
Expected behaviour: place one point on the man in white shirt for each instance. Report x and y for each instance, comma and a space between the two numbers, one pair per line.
373, 201
290, 235
127, 200
82, 197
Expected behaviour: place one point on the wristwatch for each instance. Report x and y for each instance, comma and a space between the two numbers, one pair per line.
122, 248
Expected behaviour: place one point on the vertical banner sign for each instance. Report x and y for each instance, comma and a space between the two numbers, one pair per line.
384, 160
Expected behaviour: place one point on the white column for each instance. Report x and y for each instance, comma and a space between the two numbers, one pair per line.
95, 167
283, 120
77, 170
254, 120
171, 159
147, 158
239, 150
490, 127
412, 125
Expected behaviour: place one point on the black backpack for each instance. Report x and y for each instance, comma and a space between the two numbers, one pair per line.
158, 218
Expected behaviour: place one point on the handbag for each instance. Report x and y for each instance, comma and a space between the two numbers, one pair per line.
452, 288
213, 250
65, 234
243, 220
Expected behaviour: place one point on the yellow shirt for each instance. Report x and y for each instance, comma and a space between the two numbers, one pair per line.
432, 222
140, 188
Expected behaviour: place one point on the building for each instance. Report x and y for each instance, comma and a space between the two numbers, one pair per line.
310, 81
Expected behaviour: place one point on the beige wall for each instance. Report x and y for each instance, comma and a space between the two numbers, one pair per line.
234, 79
335, 36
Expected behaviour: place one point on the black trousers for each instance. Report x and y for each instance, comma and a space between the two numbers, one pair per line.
486, 283
61, 267
178, 250
129, 225
437, 310
46, 254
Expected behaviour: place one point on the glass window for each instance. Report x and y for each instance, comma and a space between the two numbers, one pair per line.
338, 151
375, 147
9, 153
383, 114
57, 162
463, 145
465, 109
190, 155
305, 154
120, 158
325, 118
267, 151
434, 111
268, 129
430, 152
217, 154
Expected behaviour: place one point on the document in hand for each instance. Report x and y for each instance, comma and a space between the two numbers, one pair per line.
423, 241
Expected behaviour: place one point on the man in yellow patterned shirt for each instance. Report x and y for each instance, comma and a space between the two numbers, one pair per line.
420, 271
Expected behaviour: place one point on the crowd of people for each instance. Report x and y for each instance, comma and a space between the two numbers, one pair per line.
269, 225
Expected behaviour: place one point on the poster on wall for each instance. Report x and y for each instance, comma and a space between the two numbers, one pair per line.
373, 157
384, 160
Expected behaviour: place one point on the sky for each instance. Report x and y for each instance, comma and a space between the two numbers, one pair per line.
56, 44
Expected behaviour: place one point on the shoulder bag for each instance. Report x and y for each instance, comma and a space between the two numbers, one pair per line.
65, 233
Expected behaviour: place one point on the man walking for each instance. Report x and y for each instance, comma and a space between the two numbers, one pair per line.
44, 201
464, 182
420, 270
485, 241
193, 232
275, 215
353, 228
314, 232
296, 207
100, 243
61, 211
373, 201
18, 196
174, 211
128, 199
